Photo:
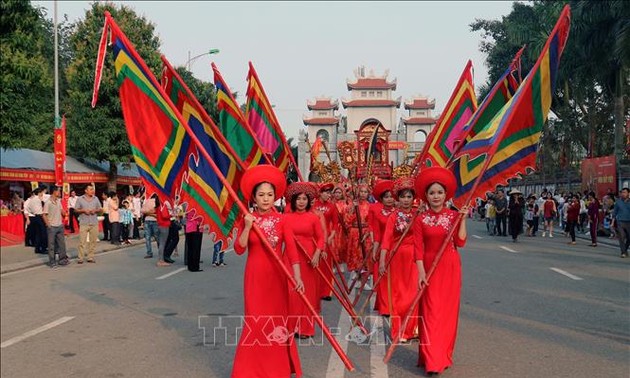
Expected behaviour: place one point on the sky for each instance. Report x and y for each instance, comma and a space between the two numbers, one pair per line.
303, 50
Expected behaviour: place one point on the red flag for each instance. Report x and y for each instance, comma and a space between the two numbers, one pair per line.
60, 152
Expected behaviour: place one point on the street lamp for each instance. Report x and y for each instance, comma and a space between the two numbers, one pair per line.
190, 60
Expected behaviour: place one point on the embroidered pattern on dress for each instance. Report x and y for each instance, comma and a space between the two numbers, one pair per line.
443, 220
402, 220
269, 227
386, 212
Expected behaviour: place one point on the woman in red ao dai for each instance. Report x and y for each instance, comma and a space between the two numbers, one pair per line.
439, 305
403, 274
307, 228
266, 347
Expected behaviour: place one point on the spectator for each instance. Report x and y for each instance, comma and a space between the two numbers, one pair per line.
537, 213
593, 217
491, 215
149, 210
529, 216
501, 210
515, 213
126, 221
114, 218
29, 237
549, 212
106, 225
88, 207
72, 201
54, 215
573, 214
621, 219
583, 214
164, 222
136, 209
194, 237
39, 234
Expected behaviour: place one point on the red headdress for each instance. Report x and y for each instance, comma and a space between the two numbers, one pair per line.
432, 175
263, 173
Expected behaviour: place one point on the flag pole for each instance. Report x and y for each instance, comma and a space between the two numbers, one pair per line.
344, 304
276, 124
112, 24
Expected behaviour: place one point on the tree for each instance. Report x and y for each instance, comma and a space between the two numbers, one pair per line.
594, 59
205, 92
100, 133
26, 83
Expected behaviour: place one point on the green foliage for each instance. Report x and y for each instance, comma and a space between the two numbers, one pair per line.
26, 83
205, 92
100, 133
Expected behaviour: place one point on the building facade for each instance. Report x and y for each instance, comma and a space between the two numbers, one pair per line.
371, 103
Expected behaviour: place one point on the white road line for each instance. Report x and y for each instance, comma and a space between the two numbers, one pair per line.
564, 273
336, 368
477, 237
167, 275
378, 368
507, 249
34, 332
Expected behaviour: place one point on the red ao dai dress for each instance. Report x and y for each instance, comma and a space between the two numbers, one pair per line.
341, 237
307, 228
267, 347
355, 253
377, 218
439, 305
331, 219
402, 273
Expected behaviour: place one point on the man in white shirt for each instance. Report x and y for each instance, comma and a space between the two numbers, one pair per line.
106, 225
136, 209
72, 201
36, 209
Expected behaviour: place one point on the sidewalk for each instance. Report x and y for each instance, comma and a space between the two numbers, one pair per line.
558, 232
19, 257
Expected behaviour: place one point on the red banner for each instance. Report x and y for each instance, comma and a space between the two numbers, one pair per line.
599, 175
60, 152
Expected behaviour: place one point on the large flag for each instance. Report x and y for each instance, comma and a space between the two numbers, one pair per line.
158, 141
510, 140
442, 140
201, 189
499, 95
233, 124
264, 124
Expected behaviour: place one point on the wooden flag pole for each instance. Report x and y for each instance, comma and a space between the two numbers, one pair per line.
348, 308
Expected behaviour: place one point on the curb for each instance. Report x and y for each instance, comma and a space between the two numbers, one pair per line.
44, 259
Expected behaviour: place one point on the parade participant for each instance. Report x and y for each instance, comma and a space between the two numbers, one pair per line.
377, 217
403, 274
307, 229
515, 214
163, 216
439, 304
327, 209
340, 243
266, 348
358, 246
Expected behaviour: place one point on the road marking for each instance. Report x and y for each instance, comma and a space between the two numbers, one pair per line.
378, 368
34, 332
564, 273
507, 249
167, 275
336, 368
477, 237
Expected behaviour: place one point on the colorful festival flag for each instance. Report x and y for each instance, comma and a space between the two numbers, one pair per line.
510, 139
158, 142
447, 131
262, 119
234, 125
201, 189
499, 95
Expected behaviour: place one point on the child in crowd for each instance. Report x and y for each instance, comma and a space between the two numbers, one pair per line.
491, 215
126, 220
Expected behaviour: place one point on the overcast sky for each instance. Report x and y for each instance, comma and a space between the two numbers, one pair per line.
302, 50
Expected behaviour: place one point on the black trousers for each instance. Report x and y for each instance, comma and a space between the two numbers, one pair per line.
115, 234
29, 239
193, 250
125, 232
501, 224
40, 234
73, 216
106, 227
171, 240
571, 226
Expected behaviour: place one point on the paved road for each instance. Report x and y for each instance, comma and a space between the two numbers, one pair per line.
529, 309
